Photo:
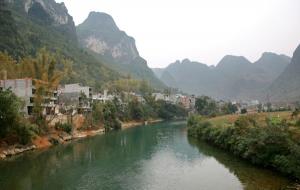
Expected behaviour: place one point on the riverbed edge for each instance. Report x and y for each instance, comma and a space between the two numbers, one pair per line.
42, 142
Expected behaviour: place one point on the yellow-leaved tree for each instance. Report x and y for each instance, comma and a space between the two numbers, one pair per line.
46, 70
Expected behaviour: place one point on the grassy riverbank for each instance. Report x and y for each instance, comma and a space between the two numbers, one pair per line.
267, 139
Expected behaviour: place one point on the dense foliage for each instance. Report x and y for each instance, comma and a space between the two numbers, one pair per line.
111, 113
66, 127
270, 144
47, 69
13, 125
209, 107
9, 35
167, 110
111, 120
23, 34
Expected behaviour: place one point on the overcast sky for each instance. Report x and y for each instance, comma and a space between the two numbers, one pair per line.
201, 30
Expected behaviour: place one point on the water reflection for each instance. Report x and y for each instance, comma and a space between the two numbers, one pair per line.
151, 157
252, 178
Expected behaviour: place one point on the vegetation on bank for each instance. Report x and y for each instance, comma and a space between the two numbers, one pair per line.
128, 107
48, 71
112, 113
14, 127
269, 140
207, 106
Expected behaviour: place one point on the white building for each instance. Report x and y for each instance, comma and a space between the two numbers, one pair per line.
103, 97
165, 97
25, 89
73, 88
71, 96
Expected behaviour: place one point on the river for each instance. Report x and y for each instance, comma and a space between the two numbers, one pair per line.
158, 157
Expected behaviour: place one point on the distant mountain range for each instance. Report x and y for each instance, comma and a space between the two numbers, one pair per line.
287, 86
99, 50
234, 77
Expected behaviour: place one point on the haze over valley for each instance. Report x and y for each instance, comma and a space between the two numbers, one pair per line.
185, 94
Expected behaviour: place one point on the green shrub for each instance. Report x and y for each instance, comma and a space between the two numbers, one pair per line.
244, 111
298, 123
66, 127
97, 113
25, 132
273, 121
270, 146
9, 112
110, 117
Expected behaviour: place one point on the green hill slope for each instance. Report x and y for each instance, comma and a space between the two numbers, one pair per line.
27, 26
100, 34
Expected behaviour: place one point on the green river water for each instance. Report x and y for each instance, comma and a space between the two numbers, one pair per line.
158, 157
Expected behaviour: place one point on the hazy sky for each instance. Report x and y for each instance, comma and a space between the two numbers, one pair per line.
201, 30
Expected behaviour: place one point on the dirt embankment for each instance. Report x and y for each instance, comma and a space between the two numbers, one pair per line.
55, 137
40, 142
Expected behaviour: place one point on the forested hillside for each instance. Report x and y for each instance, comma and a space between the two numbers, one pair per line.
100, 34
27, 26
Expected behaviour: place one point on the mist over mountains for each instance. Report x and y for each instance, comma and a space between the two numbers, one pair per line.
287, 86
234, 77
101, 52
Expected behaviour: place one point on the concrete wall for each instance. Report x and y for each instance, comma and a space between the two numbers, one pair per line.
72, 88
22, 88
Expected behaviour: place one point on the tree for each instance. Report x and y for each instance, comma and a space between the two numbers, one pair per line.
167, 110
229, 108
260, 108
144, 88
244, 111
110, 117
201, 104
9, 112
97, 112
46, 69
7, 66
206, 106
10, 38
135, 109
46, 76
269, 107
295, 113
11, 120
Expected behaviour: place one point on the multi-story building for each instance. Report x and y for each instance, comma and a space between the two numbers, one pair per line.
171, 98
184, 101
105, 97
76, 96
25, 89
187, 102
71, 88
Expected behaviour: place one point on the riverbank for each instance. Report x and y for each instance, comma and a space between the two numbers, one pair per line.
47, 141
59, 137
269, 140
121, 156
130, 124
